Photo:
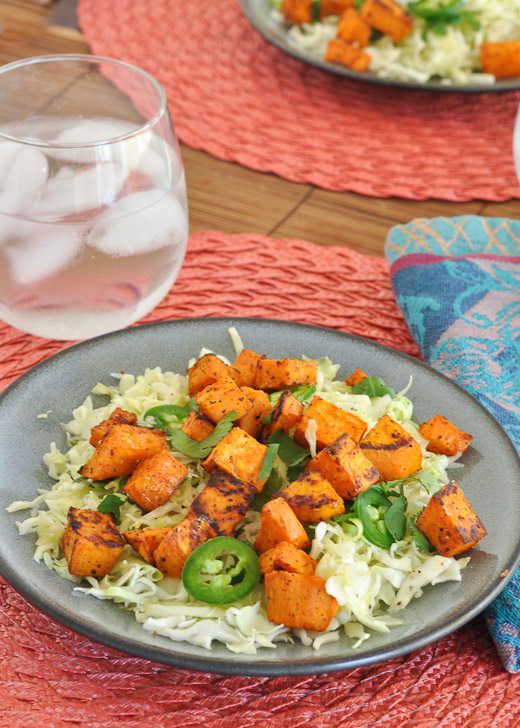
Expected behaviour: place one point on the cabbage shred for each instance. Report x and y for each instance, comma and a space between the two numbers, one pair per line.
371, 584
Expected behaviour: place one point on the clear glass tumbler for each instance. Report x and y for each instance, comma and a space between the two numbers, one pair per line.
93, 209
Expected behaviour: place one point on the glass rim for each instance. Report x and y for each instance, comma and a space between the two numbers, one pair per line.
60, 57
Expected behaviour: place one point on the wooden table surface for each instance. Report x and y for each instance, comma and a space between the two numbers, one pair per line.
225, 196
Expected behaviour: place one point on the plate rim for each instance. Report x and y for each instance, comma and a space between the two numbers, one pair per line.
502, 86
255, 666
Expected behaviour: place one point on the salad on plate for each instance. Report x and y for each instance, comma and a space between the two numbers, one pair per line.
254, 501
458, 42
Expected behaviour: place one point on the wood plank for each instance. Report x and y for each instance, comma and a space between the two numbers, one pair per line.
352, 220
233, 199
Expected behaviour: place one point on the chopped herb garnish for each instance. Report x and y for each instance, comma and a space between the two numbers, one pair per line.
273, 484
198, 450
373, 387
112, 504
268, 462
289, 451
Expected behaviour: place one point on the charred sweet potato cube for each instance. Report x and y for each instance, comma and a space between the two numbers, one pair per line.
154, 480
334, 7
275, 374
240, 455
121, 450
223, 501
331, 422
118, 416
206, 370
443, 437
394, 452
145, 541
296, 11
278, 523
299, 600
449, 522
172, 552
345, 466
357, 376
353, 29
221, 398
243, 369
312, 498
197, 426
388, 17
91, 542
287, 412
251, 422
348, 55
502, 60
286, 557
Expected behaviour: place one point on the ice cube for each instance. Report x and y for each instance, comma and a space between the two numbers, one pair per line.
23, 170
73, 191
140, 222
43, 250
89, 131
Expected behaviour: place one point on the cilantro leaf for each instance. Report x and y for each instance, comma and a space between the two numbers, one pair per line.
373, 387
268, 462
198, 450
273, 484
112, 504
289, 451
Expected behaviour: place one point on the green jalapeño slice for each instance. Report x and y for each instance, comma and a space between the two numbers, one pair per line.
221, 571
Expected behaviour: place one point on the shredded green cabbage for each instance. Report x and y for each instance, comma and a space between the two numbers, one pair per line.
371, 584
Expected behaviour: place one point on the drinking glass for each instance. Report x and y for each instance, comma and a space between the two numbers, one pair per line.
93, 209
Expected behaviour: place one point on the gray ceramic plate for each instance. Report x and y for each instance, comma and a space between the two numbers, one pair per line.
489, 480
258, 12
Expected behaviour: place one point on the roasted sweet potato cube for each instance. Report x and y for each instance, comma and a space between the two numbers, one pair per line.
223, 501
312, 498
345, 466
154, 480
296, 11
348, 55
394, 452
388, 17
331, 422
502, 60
172, 552
145, 541
91, 542
206, 370
334, 7
444, 438
299, 600
121, 450
449, 522
118, 416
357, 376
197, 426
221, 398
240, 455
287, 412
243, 369
279, 523
353, 29
286, 557
275, 374
251, 422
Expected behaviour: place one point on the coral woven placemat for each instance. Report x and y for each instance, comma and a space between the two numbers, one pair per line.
239, 98
49, 676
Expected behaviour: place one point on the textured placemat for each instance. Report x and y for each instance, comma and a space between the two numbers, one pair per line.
51, 677
236, 96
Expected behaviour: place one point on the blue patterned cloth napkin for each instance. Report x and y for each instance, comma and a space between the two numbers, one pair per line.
457, 282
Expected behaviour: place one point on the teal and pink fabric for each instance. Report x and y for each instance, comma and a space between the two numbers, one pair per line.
457, 282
